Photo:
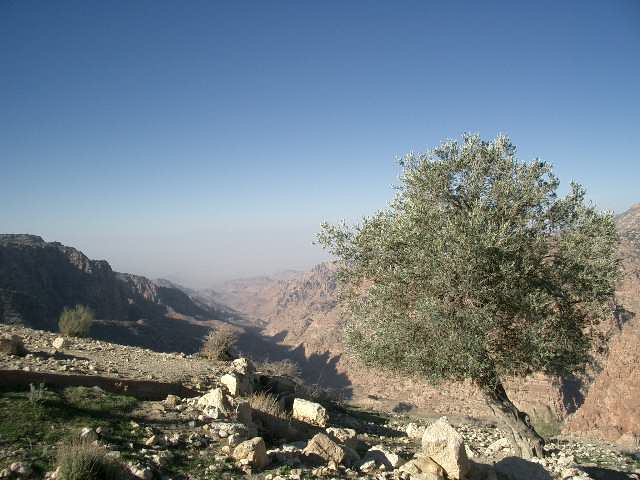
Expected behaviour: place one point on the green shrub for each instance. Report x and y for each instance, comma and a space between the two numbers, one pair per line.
76, 322
218, 344
85, 461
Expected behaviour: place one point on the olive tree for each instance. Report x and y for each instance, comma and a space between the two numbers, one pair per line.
477, 270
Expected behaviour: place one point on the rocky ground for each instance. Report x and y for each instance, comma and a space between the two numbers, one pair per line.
231, 430
94, 357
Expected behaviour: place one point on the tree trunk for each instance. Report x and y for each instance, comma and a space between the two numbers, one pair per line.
525, 440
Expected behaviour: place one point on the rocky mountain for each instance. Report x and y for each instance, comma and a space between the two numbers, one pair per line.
612, 405
38, 279
300, 312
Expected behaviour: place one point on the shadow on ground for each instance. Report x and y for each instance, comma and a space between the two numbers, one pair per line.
317, 368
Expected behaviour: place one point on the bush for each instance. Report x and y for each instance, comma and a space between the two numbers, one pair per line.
282, 368
76, 322
82, 460
218, 344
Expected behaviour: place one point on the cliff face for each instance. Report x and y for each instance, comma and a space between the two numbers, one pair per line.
38, 279
611, 407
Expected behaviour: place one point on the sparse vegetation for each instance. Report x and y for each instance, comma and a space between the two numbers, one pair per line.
268, 404
478, 270
33, 427
76, 321
281, 368
83, 460
219, 344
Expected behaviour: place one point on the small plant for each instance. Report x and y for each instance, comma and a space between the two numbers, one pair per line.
268, 404
76, 322
282, 368
82, 460
218, 344
36, 393
273, 422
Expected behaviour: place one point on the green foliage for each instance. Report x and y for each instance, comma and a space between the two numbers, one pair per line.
84, 461
477, 269
34, 427
76, 322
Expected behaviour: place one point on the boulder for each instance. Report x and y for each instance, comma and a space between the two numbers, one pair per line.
345, 436
171, 401
59, 343
502, 444
422, 465
446, 447
321, 449
382, 456
243, 366
252, 452
414, 430
236, 384
516, 468
310, 412
214, 402
12, 345
88, 434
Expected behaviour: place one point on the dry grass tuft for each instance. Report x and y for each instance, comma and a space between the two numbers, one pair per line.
282, 368
218, 344
82, 460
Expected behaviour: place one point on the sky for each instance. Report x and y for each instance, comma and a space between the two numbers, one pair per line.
204, 140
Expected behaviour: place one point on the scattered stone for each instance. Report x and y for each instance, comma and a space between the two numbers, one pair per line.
151, 441
368, 466
243, 366
497, 446
88, 434
59, 343
235, 384
446, 447
310, 412
171, 401
21, 469
382, 456
423, 465
141, 472
12, 345
215, 403
414, 430
321, 449
345, 436
252, 452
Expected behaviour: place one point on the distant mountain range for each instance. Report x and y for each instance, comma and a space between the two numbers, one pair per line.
38, 279
300, 312
295, 315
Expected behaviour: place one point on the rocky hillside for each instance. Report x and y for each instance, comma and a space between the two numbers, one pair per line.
301, 312
157, 416
39, 279
612, 405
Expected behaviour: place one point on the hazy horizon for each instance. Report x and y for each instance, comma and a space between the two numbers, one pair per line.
209, 143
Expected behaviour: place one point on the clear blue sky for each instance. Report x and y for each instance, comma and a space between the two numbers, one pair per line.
207, 140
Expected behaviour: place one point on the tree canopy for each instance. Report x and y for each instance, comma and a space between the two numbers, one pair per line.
477, 269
